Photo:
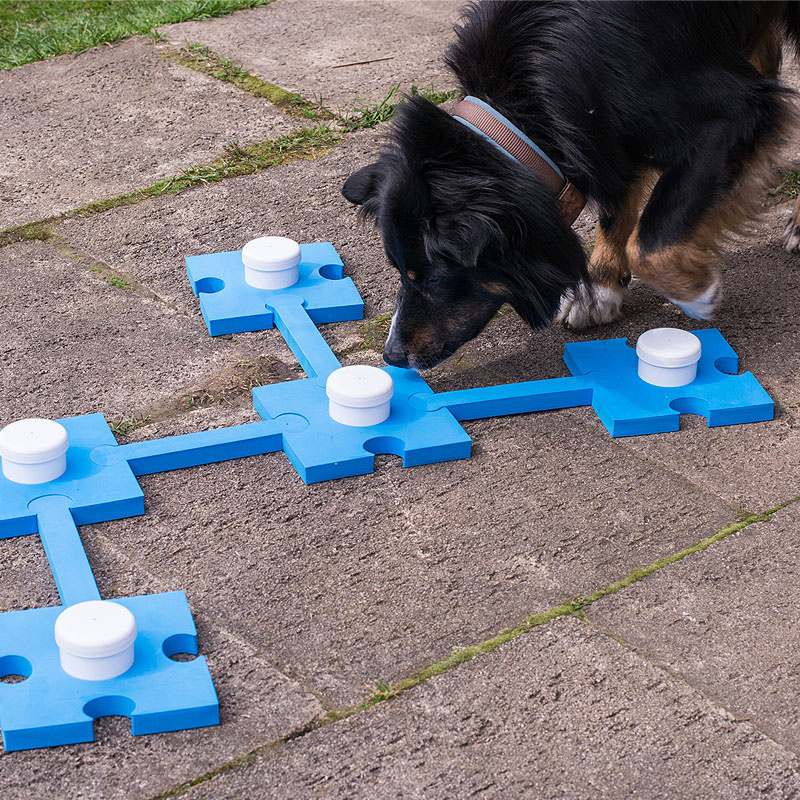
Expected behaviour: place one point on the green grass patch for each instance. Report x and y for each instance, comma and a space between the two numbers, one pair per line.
305, 143
111, 278
31, 30
375, 331
124, 425
31, 232
434, 95
203, 59
788, 188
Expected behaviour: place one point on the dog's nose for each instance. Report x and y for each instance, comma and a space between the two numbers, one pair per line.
394, 354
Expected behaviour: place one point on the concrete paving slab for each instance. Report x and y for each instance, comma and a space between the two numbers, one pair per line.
301, 200
371, 578
337, 52
258, 704
561, 712
71, 343
86, 127
725, 621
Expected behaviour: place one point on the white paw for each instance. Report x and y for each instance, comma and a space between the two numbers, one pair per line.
704, 306
580, 310
791, 236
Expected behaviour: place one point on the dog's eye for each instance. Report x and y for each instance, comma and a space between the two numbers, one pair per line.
432, 279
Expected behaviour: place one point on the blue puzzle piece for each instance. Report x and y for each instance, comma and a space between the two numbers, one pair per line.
51, 707
96, 493
321, 448
230, 305
605, 376
629, 406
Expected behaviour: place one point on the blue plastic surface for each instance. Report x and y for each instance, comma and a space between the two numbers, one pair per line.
96, 493
51, 707
230, 305
321, 448
606, 377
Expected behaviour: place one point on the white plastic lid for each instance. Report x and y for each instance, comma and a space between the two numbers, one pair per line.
95, 629
668, 347
271, 254
359, 386
33, 441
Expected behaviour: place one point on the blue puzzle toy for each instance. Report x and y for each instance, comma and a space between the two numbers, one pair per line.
51, 707
158, 694
230, 305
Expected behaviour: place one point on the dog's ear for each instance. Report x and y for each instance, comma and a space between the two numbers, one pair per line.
363, 185
461, 237
541, 267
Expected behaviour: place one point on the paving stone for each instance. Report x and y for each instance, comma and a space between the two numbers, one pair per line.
725, 620
562, 712
258, 704
70, 344
86, 127
301, 200
352, 50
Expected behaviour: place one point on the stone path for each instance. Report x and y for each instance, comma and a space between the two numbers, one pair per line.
467, 629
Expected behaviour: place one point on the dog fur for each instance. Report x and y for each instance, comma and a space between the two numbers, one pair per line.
667, 116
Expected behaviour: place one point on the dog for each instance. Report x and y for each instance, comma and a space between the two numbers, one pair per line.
666, 117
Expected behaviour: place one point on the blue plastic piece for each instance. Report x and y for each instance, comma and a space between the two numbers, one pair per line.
321, 448
158, 694
64, 550
606, 377
230, 305
51, 707
96, 493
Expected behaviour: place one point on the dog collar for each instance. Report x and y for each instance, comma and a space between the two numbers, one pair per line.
509, 139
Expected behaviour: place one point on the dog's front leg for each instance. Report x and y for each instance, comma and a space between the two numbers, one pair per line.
608, 267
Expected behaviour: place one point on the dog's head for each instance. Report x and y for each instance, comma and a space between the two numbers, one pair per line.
468, 229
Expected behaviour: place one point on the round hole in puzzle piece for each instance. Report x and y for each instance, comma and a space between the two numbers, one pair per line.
209, 285
180, 647
331, 272
292, 423
14, 669
109, 706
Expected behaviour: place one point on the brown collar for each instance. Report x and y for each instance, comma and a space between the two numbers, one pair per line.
484, 120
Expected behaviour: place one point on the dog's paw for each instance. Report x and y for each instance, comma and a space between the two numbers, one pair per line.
579, 309
704, 306
791, 236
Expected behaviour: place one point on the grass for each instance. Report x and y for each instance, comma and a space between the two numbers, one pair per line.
375, 332
124, 425
31, 30
203, 59
788, 188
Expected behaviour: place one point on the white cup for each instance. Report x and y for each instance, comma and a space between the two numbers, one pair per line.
271, 262
668, 356
95, 639
359, 395
34, 450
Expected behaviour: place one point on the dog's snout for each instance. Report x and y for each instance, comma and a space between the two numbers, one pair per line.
394, 353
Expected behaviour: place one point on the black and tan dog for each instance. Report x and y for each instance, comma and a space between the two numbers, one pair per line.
665, 116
